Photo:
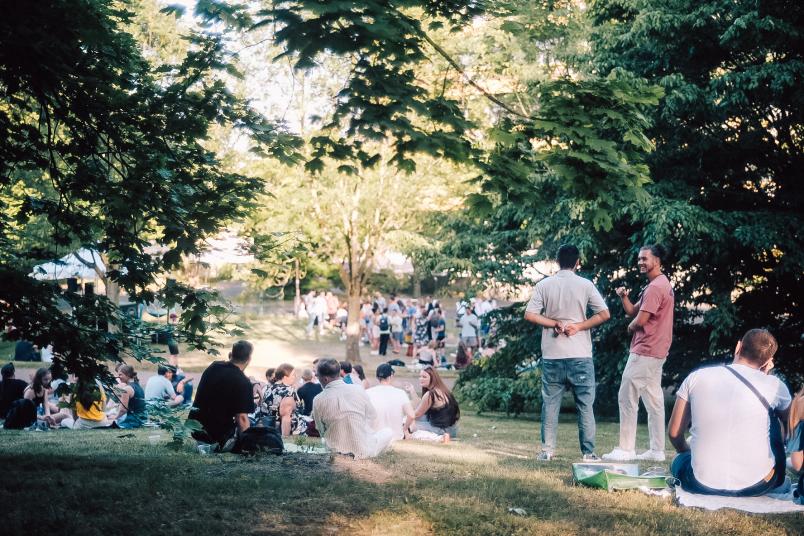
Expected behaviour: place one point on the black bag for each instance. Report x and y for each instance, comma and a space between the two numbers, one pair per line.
384, 323
21, 414
260, 439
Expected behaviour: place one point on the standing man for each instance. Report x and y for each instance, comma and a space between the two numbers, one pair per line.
559, 305
652, 333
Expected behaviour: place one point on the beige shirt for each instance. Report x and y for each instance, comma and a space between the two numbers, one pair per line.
565, 297
344, 417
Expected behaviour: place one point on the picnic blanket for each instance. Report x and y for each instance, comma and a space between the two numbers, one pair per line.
777, 503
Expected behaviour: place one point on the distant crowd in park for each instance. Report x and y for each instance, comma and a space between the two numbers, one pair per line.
735, 427
417, 328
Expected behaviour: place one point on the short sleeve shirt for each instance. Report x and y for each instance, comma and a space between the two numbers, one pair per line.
656, 336
729, 425
565, 297
223, 392
159, 388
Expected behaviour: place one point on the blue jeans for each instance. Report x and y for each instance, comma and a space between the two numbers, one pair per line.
558, 375
423, 424
681, 468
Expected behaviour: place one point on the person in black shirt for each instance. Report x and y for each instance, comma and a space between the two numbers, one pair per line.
11, 389
224, 399
308, 391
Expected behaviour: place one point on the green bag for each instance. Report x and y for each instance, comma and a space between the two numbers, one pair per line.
612, 476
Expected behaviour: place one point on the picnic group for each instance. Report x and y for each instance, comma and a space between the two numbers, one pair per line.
736, 429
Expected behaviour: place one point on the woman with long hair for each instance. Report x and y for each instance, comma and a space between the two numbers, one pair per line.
438, 411
131, 411
90, 402
463, 357
39, 392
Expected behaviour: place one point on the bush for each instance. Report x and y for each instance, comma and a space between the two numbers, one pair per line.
494, 393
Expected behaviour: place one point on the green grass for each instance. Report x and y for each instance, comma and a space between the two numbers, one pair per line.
100, 482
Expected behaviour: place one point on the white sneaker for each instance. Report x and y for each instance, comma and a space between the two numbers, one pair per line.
652, 456
619, 455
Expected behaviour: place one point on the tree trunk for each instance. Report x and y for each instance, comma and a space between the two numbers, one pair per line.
353, 324
297, 297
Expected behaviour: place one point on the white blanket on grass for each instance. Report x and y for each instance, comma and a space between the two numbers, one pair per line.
779, 503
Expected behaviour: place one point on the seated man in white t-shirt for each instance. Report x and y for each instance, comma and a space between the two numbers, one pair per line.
736, 447
160, 387
391, 404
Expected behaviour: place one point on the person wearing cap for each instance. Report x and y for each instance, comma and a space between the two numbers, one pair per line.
391, 403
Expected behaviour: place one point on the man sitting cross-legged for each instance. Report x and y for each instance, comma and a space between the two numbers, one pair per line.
160, 387
391, 404
736, 447
224, 399
344, 415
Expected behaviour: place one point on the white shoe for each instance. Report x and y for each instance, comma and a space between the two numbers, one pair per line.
619, 455
652, 456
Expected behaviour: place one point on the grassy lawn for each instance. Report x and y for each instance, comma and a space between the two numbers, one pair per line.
99, 482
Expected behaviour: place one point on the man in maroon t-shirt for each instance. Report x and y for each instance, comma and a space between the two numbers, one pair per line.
652, 334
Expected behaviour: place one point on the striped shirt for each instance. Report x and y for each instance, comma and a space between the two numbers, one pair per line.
343, 416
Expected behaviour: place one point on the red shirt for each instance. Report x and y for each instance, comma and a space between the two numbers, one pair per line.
655, 337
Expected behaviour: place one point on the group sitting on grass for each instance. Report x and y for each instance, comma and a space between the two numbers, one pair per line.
45, 403
338, 408
738, 416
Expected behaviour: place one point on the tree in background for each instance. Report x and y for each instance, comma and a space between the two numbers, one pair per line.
723, 190
99, 148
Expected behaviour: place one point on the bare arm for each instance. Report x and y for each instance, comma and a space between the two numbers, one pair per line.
410, 416
639, 321
629, 307
243, 424
424, 405
541, 320
124, 395
679, 422
591, 322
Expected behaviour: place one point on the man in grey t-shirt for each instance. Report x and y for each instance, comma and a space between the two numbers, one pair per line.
559, 305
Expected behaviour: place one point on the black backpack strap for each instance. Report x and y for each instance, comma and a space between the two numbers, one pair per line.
750, 386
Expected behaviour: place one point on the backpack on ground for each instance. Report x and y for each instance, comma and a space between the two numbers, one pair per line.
260, 439
21, 414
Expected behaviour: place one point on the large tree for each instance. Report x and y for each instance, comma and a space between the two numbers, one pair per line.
724, 191
99, 148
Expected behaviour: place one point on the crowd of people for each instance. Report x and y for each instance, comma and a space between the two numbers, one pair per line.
53, 399
738, 414
335, 402
742, 420
413, 327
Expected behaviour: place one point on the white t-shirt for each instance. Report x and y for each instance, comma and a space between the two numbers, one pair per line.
389, 403
469, 325
159, 388
396, 324
730, 442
